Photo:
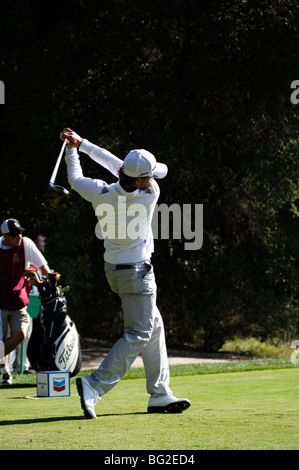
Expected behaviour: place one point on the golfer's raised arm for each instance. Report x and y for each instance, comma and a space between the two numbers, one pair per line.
98, 154
102, 156
86, 187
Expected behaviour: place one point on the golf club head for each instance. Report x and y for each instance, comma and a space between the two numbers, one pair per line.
57, 194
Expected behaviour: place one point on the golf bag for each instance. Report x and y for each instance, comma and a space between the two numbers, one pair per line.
54, 343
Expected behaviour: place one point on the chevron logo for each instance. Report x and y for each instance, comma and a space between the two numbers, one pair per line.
58, 384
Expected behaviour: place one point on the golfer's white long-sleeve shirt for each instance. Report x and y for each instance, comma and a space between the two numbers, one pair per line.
124, 217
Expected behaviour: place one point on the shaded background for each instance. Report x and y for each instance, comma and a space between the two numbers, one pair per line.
205, 86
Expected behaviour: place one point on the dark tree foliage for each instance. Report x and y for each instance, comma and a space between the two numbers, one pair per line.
205, 86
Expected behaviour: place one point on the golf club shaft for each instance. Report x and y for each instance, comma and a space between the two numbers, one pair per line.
53, 177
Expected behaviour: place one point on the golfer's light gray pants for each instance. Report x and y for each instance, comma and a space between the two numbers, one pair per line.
143, 332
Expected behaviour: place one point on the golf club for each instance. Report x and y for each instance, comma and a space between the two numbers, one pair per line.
57, 193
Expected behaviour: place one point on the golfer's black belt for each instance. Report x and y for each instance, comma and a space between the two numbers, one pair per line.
129, 266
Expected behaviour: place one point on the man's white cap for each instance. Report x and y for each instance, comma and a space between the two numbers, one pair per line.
12, 227
141, 163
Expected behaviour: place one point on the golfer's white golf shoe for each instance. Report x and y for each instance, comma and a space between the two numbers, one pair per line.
89, 397
167, 403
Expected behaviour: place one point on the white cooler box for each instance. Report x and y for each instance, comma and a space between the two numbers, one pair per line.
53, 384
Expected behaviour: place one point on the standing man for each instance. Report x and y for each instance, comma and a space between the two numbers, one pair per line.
128, 243
40, 241
16, 254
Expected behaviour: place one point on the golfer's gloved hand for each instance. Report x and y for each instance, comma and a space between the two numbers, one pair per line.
74, 139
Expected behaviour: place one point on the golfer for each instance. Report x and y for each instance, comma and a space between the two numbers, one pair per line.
128, 243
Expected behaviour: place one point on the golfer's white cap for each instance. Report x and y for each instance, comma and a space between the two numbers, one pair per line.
141, 163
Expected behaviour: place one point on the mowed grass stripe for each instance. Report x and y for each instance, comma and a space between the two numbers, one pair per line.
240, 410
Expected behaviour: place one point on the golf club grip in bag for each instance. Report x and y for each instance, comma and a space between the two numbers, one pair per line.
54, 343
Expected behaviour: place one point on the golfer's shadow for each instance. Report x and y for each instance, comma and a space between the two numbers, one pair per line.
62, 418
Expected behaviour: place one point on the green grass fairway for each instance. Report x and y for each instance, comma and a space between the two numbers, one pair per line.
232, 410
